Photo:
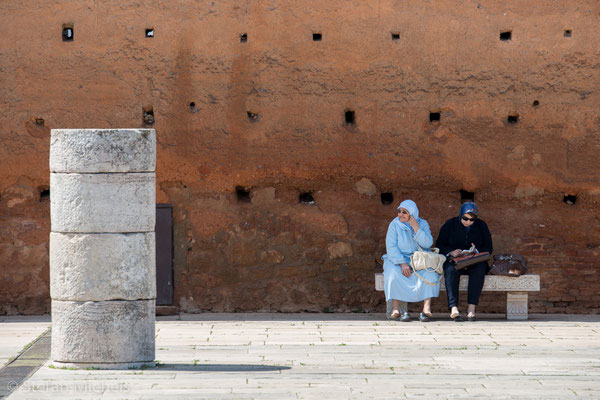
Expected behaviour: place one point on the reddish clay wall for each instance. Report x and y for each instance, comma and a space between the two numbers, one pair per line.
274, 253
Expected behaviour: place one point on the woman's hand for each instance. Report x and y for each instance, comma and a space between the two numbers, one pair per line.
405, 270
413, 223
455, 253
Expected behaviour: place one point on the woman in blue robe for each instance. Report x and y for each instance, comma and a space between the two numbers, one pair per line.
405, 233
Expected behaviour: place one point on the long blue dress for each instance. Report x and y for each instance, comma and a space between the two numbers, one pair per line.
401, 242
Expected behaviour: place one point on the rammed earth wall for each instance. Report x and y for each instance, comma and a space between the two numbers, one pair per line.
396, 100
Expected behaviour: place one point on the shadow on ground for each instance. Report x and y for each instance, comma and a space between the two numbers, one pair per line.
220, 367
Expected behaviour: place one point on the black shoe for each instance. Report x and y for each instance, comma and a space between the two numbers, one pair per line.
424, 318
471, 318
459, 318
405, 317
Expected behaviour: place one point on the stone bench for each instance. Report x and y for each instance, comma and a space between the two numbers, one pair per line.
517, 289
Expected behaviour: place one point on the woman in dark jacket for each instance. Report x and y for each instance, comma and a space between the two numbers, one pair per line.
461, 233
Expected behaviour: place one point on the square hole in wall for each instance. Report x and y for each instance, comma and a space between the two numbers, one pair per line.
44, 193
306, 198
149, 32
568, 33
349, 117
387, 198
513, 118
148, 115
395, 36
465, 195
504, 36
317, 37
252, 116
536, 103
242, 194
243, 38
570, 199
67, 32
435, 116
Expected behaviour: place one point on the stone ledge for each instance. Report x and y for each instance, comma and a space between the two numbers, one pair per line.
499, 283
493, 283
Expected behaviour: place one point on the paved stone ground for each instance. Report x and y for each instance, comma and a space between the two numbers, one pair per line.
17, 332
355, 356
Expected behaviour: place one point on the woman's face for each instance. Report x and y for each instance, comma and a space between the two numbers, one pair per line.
403, 215
468, 219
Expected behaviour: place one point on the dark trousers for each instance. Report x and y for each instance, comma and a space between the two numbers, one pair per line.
476, 274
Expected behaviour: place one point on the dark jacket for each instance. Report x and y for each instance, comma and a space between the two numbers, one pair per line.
454, 235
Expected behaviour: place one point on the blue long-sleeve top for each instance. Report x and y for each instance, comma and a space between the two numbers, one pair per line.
401, 240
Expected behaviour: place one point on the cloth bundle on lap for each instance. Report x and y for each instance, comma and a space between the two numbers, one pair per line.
463, 262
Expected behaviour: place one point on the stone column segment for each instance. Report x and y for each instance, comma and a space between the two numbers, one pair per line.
102, 332
99, 203
102, 150
102, 247
102, 266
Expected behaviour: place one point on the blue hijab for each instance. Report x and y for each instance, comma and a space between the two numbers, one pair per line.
412, 208
468, 207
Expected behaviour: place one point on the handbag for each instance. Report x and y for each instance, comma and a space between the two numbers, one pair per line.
431, 261
463, 262
509, 265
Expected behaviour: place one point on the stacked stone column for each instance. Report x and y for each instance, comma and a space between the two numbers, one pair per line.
102, 247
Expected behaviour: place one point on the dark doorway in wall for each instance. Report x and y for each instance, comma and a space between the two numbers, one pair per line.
306, 198
568, 33
244, 38
465, 195
387, 198
317, 37
395, 36
536, 103
149, 32
435, 116
243, 195
504, 36
164, 254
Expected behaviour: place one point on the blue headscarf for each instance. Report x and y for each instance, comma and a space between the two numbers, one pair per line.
468, 207
412, 208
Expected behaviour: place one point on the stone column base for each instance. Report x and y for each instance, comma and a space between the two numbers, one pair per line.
516, 305
103, 333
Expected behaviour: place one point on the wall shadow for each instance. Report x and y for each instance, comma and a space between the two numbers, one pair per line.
220, 367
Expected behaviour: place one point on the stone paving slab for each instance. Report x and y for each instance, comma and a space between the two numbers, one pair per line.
17, 332
348, 356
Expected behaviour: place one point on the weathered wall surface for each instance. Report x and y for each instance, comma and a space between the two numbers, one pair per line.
272, 252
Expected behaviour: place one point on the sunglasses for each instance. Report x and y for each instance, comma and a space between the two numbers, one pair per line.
468, 219
403, 212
